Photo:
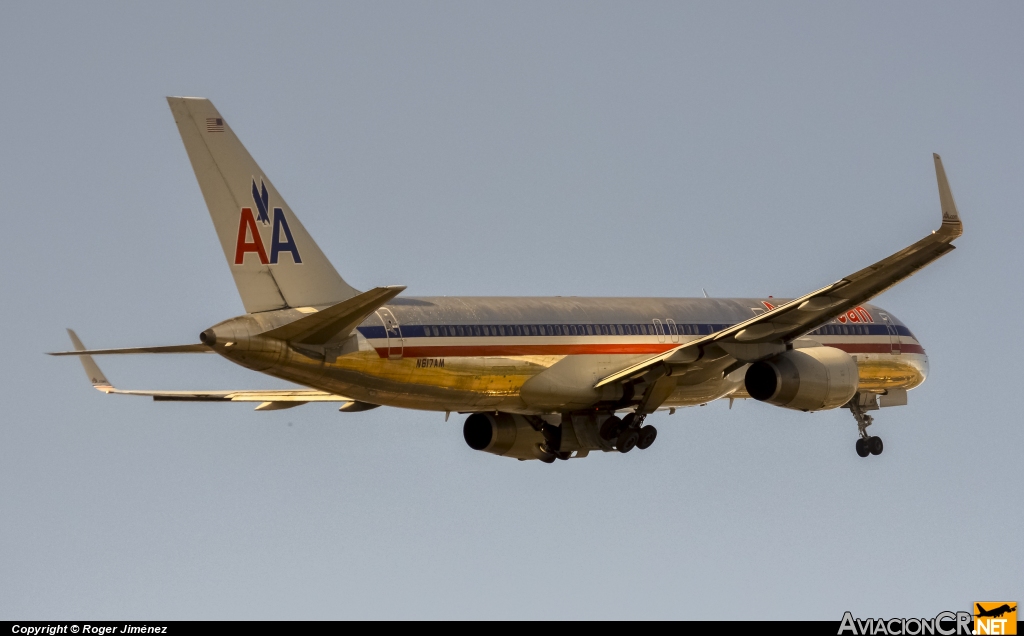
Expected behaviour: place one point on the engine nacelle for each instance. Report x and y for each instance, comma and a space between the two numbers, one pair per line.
811, 379
503, 434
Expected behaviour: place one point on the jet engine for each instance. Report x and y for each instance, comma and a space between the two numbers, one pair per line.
503, 434
811, 379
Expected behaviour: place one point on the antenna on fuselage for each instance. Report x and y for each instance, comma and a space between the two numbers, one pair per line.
705, 292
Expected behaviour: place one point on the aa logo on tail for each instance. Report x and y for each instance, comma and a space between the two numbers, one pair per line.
249, 238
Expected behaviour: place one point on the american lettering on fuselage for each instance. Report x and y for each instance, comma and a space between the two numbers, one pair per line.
540, 378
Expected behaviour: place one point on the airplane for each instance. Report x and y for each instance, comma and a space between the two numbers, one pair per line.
538, 378
995, 612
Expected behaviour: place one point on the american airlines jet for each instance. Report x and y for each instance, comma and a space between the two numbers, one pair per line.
538, 378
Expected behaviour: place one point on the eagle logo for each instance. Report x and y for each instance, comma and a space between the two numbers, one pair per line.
262, 199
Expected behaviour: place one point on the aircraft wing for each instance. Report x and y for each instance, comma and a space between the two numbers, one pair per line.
270, 399
787, 322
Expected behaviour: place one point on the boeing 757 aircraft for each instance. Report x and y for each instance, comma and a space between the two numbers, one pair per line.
539, 378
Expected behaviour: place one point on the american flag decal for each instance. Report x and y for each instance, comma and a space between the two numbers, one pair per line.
214, 124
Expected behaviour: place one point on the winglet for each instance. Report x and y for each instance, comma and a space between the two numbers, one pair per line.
950, 216
99, 381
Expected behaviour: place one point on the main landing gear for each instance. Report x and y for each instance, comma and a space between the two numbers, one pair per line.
867, 444
628, 432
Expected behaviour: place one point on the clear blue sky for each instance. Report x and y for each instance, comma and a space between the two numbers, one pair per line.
590, 148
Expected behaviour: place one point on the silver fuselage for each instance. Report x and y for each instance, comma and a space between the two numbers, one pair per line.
468, 354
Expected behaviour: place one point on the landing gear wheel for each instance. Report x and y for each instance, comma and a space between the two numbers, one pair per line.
875, 445
862, 447
627, 440
545, 455
563, 455
611, 428
647, 436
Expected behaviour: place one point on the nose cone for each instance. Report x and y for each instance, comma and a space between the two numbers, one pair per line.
922, 366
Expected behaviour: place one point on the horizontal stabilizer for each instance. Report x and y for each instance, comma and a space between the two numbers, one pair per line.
270, 399
342, 318
189, 348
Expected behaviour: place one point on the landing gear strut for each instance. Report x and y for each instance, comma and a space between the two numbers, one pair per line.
867, 444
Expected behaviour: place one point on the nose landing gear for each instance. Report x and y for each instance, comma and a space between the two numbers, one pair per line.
867, 444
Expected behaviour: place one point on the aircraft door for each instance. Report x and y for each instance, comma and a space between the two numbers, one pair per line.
673, 330
894, 336
396, 343
660, 330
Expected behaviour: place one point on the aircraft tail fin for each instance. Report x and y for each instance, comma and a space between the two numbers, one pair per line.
275, 262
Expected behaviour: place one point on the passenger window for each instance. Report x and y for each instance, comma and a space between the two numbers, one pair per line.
604, 330
501, 329
572, 330
460, 331
590, 330
542, 329
533, 330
